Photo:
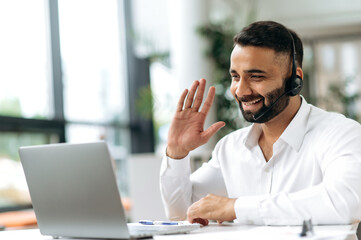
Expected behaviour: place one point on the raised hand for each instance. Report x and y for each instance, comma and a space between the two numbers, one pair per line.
186, 131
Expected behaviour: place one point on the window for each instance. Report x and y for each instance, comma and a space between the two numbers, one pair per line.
338, 85
93, 76
24, 60
13, 189
89, 38
24, 93
93, 86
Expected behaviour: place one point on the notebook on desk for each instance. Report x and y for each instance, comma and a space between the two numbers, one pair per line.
75, 194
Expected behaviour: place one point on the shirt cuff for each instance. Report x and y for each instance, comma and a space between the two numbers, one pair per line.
247, 210
175, 167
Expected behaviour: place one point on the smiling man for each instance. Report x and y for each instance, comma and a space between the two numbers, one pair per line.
295, 162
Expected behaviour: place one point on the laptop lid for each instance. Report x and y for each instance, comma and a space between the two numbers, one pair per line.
74, 191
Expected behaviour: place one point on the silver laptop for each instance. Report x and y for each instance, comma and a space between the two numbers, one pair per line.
74, 193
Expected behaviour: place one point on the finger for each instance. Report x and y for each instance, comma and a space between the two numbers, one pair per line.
199, 97
191, 213
191, 93
181, 100
209, 100
207, 134
202, 221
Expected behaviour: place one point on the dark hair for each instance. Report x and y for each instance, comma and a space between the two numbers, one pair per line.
272, 35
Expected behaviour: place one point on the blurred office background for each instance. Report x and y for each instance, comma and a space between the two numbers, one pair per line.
88, 70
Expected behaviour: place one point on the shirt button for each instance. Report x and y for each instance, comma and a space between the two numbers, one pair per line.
266, 170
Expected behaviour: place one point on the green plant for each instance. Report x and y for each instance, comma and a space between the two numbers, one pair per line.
341, 99
144, 103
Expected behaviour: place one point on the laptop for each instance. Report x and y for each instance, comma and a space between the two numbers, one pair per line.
74, 193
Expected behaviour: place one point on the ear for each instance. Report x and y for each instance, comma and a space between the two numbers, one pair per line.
299, 72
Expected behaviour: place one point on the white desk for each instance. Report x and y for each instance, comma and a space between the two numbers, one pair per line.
225, 231
236, 232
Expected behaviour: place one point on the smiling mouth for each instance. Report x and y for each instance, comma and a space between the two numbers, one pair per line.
252, 102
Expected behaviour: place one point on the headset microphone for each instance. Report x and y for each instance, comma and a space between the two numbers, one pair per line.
293, 84
259, 115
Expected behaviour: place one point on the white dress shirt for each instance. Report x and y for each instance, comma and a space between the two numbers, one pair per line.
315, 172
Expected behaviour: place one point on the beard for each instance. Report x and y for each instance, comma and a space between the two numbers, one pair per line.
274, 97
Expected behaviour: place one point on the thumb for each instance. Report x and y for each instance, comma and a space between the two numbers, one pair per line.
207, 134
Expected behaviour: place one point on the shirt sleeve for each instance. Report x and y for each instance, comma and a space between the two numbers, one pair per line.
175, 187
337, 200
179, 188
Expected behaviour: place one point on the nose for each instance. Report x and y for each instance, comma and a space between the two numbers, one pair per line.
243, 88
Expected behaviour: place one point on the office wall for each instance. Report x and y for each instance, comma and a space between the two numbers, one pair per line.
146, 202
308, 17
314, 18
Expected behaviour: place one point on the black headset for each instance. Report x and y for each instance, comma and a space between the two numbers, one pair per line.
294, 83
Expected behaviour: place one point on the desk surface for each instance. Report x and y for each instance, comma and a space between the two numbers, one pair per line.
234, 231
224, 231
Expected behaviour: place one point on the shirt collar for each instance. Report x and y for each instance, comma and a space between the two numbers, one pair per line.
253, 135
294, 133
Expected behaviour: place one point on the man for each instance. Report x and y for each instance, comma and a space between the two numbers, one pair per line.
295, 162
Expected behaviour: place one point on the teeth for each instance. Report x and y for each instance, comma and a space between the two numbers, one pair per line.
252, 102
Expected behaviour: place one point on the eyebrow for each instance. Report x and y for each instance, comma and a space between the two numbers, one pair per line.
254, 71
248, 71
232, 71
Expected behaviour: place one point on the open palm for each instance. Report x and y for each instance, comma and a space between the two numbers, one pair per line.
186, 131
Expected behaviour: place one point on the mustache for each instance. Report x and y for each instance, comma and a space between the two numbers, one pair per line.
248, 98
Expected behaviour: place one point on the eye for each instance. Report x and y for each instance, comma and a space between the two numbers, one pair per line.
234, 77
257, 77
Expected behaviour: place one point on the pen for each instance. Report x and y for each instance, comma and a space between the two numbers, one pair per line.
150, 222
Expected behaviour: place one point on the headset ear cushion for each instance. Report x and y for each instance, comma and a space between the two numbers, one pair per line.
296, 86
